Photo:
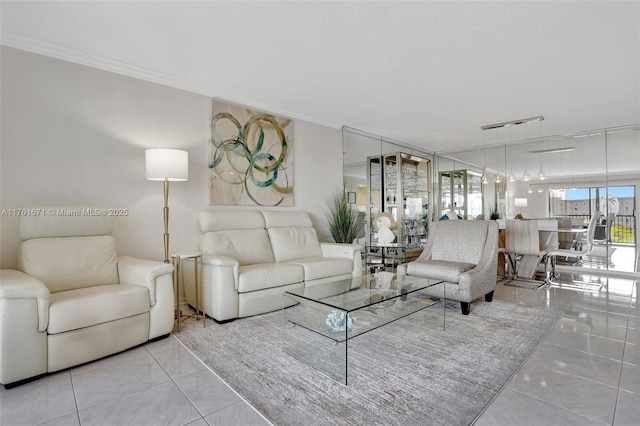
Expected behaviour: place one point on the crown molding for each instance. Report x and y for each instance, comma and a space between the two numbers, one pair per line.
17, 41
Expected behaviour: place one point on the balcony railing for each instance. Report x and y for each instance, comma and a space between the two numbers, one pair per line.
622, 230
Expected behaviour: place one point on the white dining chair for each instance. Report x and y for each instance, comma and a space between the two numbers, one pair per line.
576, 251
522, 248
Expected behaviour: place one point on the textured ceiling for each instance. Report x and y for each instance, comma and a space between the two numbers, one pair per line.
425, 73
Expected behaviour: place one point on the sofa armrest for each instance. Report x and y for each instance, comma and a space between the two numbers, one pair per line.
15, 284
220, 275
24, 317
225, 268
340, 250
143, 272
482, 279
350, 251
217, 260
157, 277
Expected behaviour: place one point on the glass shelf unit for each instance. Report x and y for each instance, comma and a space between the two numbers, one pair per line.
399, 184
461, 192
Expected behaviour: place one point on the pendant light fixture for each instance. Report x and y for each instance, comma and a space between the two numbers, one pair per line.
541, 174
498, 178
573, 175
525, 177
484, 179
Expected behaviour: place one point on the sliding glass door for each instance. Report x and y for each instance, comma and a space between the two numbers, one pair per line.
615, 235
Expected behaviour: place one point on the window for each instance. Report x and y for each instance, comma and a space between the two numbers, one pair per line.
617, 205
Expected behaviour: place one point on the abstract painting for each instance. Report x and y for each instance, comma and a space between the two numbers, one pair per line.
250, 157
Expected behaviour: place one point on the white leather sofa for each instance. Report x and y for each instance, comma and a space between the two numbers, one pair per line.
251, 257
73, 300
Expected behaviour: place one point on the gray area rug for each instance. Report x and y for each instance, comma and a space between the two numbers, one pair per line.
404, 373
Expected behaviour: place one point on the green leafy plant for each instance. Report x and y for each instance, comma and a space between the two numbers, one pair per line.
493, 213
344, 221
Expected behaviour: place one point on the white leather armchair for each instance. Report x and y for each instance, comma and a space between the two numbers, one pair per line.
73, 300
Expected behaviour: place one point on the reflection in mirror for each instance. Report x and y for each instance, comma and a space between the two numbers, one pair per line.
568, 177
393, 183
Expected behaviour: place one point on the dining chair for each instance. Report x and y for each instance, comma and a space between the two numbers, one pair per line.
578, 252
522, 248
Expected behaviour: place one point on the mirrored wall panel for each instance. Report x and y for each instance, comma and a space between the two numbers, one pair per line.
565, 177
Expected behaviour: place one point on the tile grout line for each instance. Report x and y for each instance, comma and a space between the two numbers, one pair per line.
523, 363
624, 351
222, 380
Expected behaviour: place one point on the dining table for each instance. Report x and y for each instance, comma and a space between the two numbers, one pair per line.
553, 233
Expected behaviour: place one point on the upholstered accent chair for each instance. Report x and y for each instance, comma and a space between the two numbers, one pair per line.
463, 254
73, 300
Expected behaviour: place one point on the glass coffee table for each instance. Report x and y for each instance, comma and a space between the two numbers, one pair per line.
318, 328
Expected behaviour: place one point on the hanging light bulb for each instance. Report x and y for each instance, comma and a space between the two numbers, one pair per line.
526, 177
573, 176
540, 189
483, 179
541, 175
530, 191
498, 178
512, 177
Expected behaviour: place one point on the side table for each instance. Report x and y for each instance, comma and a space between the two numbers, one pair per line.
177, 259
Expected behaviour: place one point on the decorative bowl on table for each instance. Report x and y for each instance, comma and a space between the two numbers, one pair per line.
339, 321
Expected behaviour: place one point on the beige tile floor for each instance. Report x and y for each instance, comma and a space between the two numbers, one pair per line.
585, 372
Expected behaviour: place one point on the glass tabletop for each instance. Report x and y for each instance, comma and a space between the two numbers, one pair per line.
354, 294
340, 310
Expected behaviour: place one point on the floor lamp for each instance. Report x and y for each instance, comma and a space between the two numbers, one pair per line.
166, 165
520, 202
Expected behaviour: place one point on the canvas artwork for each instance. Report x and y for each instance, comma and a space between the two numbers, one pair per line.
250, 157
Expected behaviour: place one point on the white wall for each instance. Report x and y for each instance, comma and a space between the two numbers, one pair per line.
72, 134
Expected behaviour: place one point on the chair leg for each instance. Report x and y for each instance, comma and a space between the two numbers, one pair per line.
464, 306
488, 297
550, 269
547, 259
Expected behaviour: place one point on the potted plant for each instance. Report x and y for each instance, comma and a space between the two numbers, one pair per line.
344, 221
493, 213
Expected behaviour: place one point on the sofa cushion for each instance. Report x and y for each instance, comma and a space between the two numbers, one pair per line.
291, 243
226, 220
247, 246
64, 222
439, 269
322, 267
262, 276
285, 219
70, 262
84, 307
459, 241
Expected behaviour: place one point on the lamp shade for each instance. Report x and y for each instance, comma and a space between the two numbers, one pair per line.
166, 164
520, 202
